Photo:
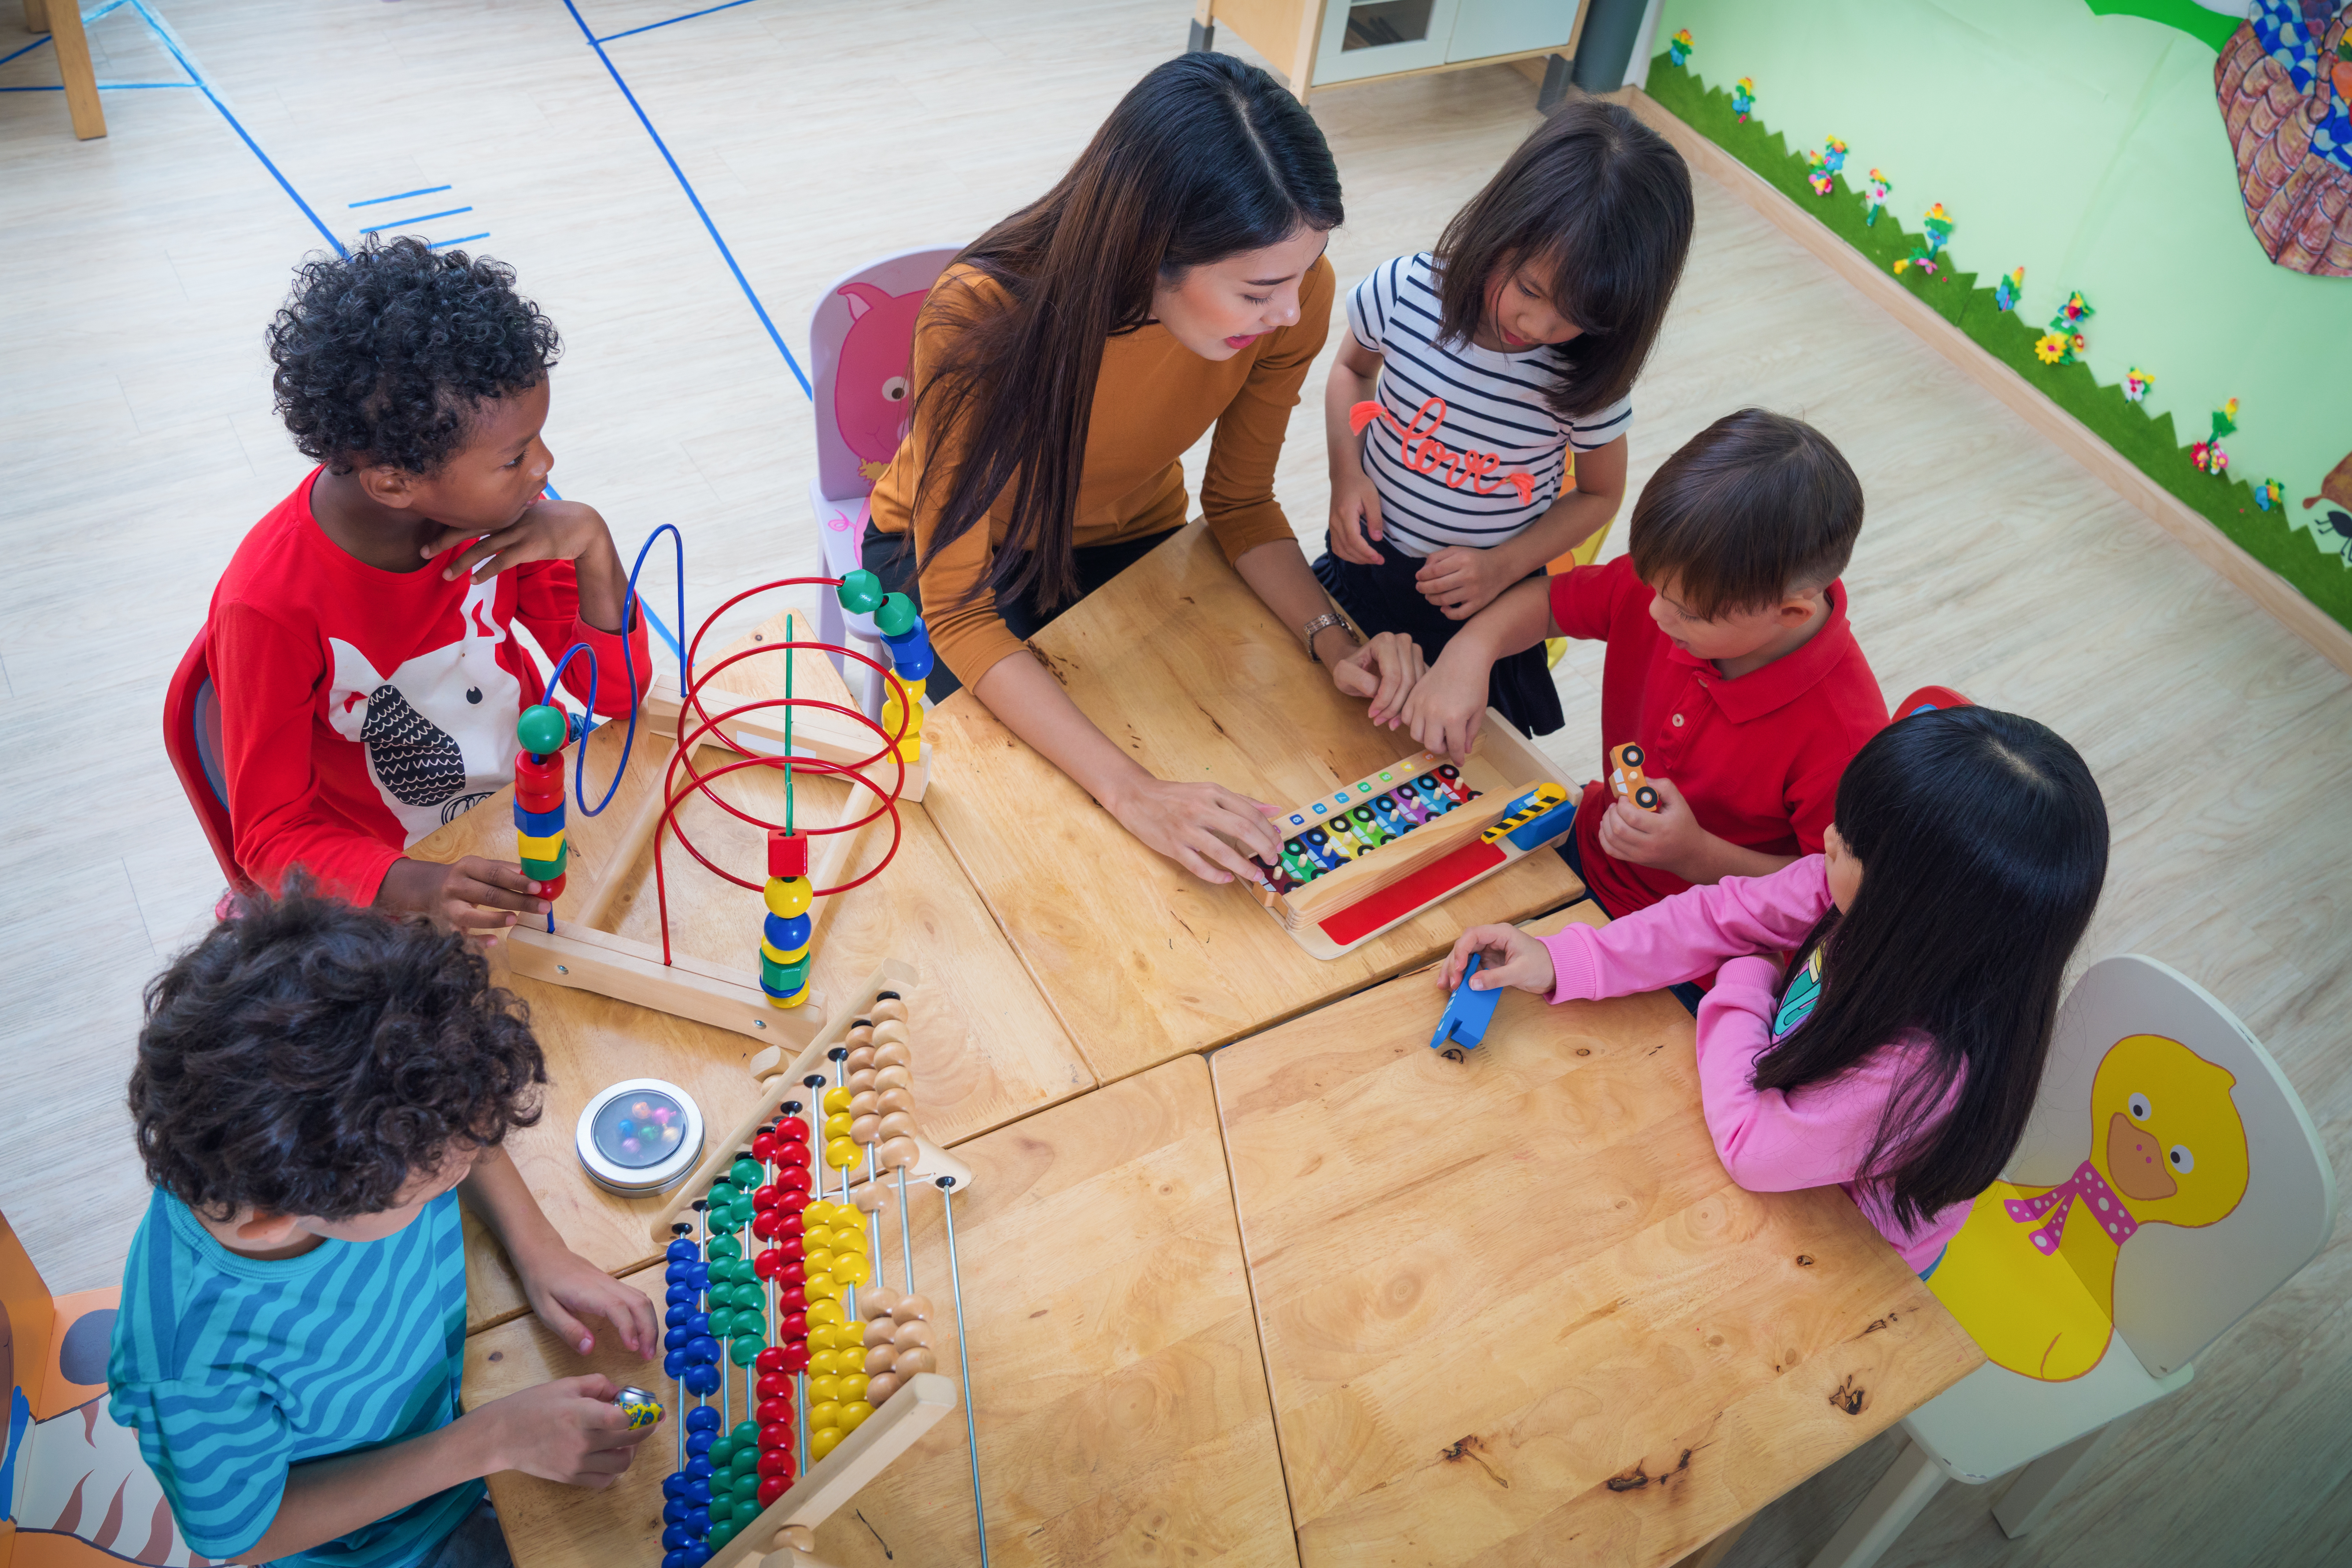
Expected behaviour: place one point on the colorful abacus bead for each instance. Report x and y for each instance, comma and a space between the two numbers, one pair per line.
784, 959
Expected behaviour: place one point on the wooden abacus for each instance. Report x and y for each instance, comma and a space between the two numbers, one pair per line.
1380, 850
853, 1380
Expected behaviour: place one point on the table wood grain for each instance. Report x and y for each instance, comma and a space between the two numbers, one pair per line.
1184, 668
1117, 1381
1515, 1311
987, 1047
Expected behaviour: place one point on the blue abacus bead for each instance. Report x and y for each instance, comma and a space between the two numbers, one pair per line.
675, 1538
675, 1315
788, 933
676, 1340
674, 1484
680, 1557
860, 592
699, 1275
698, 1521
674, 1365
697, 1555
700, 1442
698, 1470
702, 1418
682, 1250
702, 1349
698, 1323
674, 1512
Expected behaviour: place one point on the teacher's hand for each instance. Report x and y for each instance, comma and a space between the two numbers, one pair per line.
1384, 670
1192, 823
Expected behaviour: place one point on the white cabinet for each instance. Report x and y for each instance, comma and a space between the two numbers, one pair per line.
1326, 43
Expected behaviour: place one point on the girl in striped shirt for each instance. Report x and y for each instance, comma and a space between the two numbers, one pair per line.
1471, 372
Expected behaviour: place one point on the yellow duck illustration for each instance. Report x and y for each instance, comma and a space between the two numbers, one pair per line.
2032, 1275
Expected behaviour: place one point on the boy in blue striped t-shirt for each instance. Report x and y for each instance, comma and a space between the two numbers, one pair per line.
315, 1084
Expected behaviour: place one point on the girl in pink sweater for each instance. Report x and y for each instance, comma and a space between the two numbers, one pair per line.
1899, 1052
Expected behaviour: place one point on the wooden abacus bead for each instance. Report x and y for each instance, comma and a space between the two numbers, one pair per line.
898, 1124
878, 1330
877, 1302
861, 1080
893, 1054
893, 1078
916, 1360
890, 1031
908, 1335
892, 1100
911, 1308
870, 1199
898, 1154
881, 1386
794, 1538
879, 1359
888, 1009
869, 1129
860, 1058
865, 1102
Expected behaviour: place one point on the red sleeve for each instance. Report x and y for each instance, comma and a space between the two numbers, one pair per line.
268, 680
1812, 798
547, 602
1584, 599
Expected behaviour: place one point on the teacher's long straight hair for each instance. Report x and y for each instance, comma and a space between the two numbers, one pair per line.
1203, 159
1983, 843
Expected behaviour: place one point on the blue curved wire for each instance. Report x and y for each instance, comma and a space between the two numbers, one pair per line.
630, 607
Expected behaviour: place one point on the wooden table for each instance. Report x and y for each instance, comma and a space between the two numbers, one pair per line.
987, 1047
1121, 1400
1182, 666
1514, 1310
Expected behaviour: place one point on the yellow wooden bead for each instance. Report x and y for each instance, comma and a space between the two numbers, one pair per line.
852, 1266
823, 1311
816, 1261
837, 1124
820, 1210
544, 849
794, 1000
837, 1100
788, 895
843, 1152
827, 1338
773, 956
821, 1288
825, 1390
852, 1386
821, 1415
815, 1238
823, 1440
853, 1413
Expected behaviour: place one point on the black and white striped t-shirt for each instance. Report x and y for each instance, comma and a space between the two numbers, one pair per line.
1465, 450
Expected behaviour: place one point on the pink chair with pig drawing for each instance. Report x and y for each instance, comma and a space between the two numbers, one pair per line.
861, 338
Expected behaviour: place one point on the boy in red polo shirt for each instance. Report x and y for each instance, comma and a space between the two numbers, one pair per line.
1731, 660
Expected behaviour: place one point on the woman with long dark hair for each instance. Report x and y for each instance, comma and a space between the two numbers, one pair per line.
1899, 1053
1173, 281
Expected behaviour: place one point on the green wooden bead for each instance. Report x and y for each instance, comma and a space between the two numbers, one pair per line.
746, 1175
746, 1435
748, 1294
721, 1533
860, 591
741, 1353
722, 1454
721, 1191
722, 1323
896, 615
726, 1249
746, 1460
747, 1487
542, 729
548, 870
785, 978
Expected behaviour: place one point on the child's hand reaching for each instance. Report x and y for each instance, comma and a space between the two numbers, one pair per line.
1385, 669
477, 896
568, 1430
1445, 710
564, 1286
1511, 956
1462, 581
1355, 513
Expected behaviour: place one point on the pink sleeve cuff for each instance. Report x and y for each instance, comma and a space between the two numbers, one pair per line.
1576, 977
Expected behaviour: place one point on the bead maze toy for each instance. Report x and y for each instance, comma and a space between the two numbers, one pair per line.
1625, 780
1374, 854
793, 734
800, 1370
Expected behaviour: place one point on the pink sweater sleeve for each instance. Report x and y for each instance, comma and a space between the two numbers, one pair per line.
1689, 936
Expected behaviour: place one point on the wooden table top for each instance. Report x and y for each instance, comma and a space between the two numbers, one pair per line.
1181, 664
1515, 1302
1116, 1374
987, 1047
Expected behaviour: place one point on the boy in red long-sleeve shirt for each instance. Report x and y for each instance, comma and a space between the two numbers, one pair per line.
362, 641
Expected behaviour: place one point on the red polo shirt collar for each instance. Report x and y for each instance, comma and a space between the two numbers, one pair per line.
1783, 680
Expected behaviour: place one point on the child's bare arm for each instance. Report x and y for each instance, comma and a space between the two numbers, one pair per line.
1445, 710
1355, 504
1461, 581
568, 1430
479, 897
562, 1286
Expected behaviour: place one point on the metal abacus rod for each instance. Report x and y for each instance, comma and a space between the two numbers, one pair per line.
963, 1361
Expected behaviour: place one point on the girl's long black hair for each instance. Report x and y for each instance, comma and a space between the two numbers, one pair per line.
1983, 843
1600, 205
1206, 157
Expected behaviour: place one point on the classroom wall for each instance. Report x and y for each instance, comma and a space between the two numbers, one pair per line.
2091, 150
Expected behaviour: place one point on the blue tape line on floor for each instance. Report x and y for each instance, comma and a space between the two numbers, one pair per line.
422, 217
461, 239
687, 186
399, 196
27, 49
690, 16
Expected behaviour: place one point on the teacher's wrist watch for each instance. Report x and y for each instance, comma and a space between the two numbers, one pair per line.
1317, 627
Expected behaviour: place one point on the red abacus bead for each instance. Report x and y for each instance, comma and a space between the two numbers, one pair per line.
765, 1265
767, 1197
792, 1130
763, 1146
773, 1486
774, 1434
791, 1155
794, 1326
792, 1180
774, 1382
764, 1224
794, 1272
793, 1202
776, 1408
769, 1362
792, 1227
792, 1299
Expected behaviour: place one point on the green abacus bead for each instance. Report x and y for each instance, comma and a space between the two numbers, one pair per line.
748, 1296
896, 615
746, 1175
722, 1192
725, 1249
746, 1435
860, 591
745, 1348
746, 1462
542, 729
722, 1454
747, 1487
722, 1323
721, 1533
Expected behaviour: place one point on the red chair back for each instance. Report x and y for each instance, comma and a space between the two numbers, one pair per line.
192, 739
1928, 697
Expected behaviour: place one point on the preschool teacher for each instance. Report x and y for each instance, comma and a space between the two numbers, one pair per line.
1173, 279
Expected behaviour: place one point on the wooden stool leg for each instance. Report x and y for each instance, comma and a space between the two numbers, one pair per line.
37, 15
1886, 1512
73, 64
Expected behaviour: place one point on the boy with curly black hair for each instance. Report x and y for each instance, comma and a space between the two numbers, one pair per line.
362, 639
316, 1083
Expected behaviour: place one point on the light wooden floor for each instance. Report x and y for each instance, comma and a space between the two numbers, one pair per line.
137, 446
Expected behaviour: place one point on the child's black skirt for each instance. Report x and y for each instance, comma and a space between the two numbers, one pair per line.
1383, 599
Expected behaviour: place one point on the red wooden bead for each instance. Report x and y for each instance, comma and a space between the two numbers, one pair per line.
764, 1145
787, 854
777, 1406
776, 1465
774, 1381
792, 1298
769, 1361
552, 891
794, 1269
795, 1326
794, 1201
763, 1226
794, 1181
773, 1486
792, 1130
540, 797
768, 1264
767, 1197
792, 1154
791, 1227
776, 1434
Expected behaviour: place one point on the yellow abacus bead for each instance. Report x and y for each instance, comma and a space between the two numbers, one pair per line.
821, 1415
823, 1440
820, 1341
794, 1000
852, 1386
853, 1413
815, 1238
821, 1288
822, 1311
823, 1390
788, 895
837, 1124
843, 1152
853, 1267
816, 1261
837, 1100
